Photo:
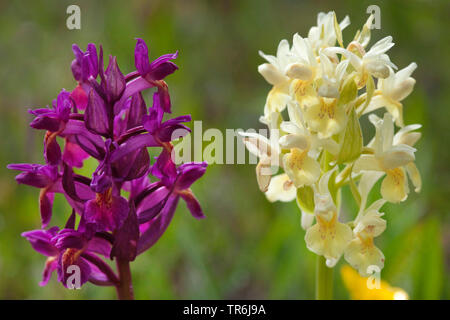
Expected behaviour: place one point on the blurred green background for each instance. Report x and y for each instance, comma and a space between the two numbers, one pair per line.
247, 247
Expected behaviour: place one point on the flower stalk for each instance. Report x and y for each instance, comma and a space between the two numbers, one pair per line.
324, 280
125, 286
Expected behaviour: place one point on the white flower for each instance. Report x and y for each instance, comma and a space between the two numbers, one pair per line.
392, 90
281, 188
268, 154
300, 167
305, 65
326, 117
362, 253
274, 71
298, 136
332, 75
324, 35
289, 64
328, 237
391, 159
374, 62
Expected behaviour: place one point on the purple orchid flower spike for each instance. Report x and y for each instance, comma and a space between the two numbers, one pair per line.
106, 117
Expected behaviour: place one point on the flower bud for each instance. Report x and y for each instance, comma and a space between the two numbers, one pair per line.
115, 81
298, 71
271, 74
96, 116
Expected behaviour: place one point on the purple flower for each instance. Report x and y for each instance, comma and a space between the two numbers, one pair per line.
150, 74
106, 117
53, 119
40, 240
156, 210
75, 249
106, 211
159, 133
85, 64
156, 70
67, 248
44, 177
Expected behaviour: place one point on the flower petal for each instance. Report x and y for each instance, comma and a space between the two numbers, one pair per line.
156, 227
107, 216
281, 189
394, 187
363, 256
414, 175
397, 156
96, 115
367, 162
192, 204
301, 169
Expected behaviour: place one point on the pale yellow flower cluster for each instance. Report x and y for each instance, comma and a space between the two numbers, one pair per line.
321, 88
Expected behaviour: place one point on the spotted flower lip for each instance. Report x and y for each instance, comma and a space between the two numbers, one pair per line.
107, 211
106, 117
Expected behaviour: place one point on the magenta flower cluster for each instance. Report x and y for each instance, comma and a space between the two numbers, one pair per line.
106, 117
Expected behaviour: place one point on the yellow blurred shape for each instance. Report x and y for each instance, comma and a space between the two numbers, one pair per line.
359, 289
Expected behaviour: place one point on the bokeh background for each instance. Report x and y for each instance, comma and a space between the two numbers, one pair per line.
247, 247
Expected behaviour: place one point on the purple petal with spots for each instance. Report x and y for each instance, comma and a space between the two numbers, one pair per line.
107, 214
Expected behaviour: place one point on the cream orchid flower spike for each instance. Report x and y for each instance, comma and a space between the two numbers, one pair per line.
327, 85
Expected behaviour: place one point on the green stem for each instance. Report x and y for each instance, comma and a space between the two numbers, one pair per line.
324, 280
125, 286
